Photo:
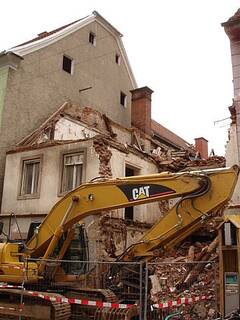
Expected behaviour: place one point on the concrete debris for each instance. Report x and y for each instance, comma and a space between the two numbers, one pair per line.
155, 282
113, 232
163, 207
186, 279
114, 235
175, 161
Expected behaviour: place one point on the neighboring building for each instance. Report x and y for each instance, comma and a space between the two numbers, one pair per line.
71, 112
84, 62
232, 29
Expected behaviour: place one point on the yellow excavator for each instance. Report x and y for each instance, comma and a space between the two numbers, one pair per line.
200, 193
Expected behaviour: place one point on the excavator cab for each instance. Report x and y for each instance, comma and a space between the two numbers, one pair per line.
78, 252
32, 227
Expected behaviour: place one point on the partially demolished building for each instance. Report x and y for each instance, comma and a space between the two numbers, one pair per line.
71, 113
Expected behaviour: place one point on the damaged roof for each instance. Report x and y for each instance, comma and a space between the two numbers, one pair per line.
93, 119
169, 137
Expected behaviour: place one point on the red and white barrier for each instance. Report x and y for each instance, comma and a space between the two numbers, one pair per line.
180, 301
93, 303
9, 286
80, 301
71, 300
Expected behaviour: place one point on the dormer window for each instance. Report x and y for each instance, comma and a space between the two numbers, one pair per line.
67, 64
92, 38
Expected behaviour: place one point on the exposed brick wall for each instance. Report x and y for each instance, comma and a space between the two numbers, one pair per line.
141, 108
104, 155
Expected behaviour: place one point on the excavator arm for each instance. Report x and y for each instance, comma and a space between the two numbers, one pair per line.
189, 214
201, 192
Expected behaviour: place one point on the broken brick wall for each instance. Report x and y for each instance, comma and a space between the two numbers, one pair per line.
104, 153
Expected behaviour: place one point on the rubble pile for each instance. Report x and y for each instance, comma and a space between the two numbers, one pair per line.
211, 162
113, 231
175, 161
188, 271
163, 207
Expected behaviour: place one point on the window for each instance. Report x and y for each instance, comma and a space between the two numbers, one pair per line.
123, 99
30, 182
72, 171
67, 64
129, 211
117, 59
92, 38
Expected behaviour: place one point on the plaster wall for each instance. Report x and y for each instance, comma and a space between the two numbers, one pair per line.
123, 136
69, 130
231, 155
39, 86
50, 177
235, 55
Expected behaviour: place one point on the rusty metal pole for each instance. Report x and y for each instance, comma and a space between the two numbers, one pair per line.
215, 286
146, 293
141, 292
25, 265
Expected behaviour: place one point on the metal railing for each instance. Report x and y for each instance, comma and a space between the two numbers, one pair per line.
122, 290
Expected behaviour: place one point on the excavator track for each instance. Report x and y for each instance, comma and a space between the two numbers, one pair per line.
38, 308
89, 312
34, 307
116, 314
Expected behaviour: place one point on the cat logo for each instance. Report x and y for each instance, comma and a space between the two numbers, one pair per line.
136, 191
140, 193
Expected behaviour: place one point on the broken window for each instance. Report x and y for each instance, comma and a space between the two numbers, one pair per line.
117, 59
30, 177
72, 171
123, 99
92, 38
67, 64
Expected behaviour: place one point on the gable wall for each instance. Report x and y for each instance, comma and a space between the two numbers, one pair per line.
40, 86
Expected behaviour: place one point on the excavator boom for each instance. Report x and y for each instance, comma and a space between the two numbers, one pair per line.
200, 192
193, 210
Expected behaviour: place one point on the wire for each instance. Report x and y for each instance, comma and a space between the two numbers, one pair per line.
22, 240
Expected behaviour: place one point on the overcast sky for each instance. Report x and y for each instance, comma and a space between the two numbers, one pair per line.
176, 47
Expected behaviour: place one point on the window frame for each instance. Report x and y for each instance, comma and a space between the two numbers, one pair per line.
122, 94
61, 168
72, 64
92, 35
117, 59
30, 159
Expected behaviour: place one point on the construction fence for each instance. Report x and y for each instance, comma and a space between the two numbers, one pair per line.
119, 290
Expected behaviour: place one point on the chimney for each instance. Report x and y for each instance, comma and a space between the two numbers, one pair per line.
141, 109
201, 145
